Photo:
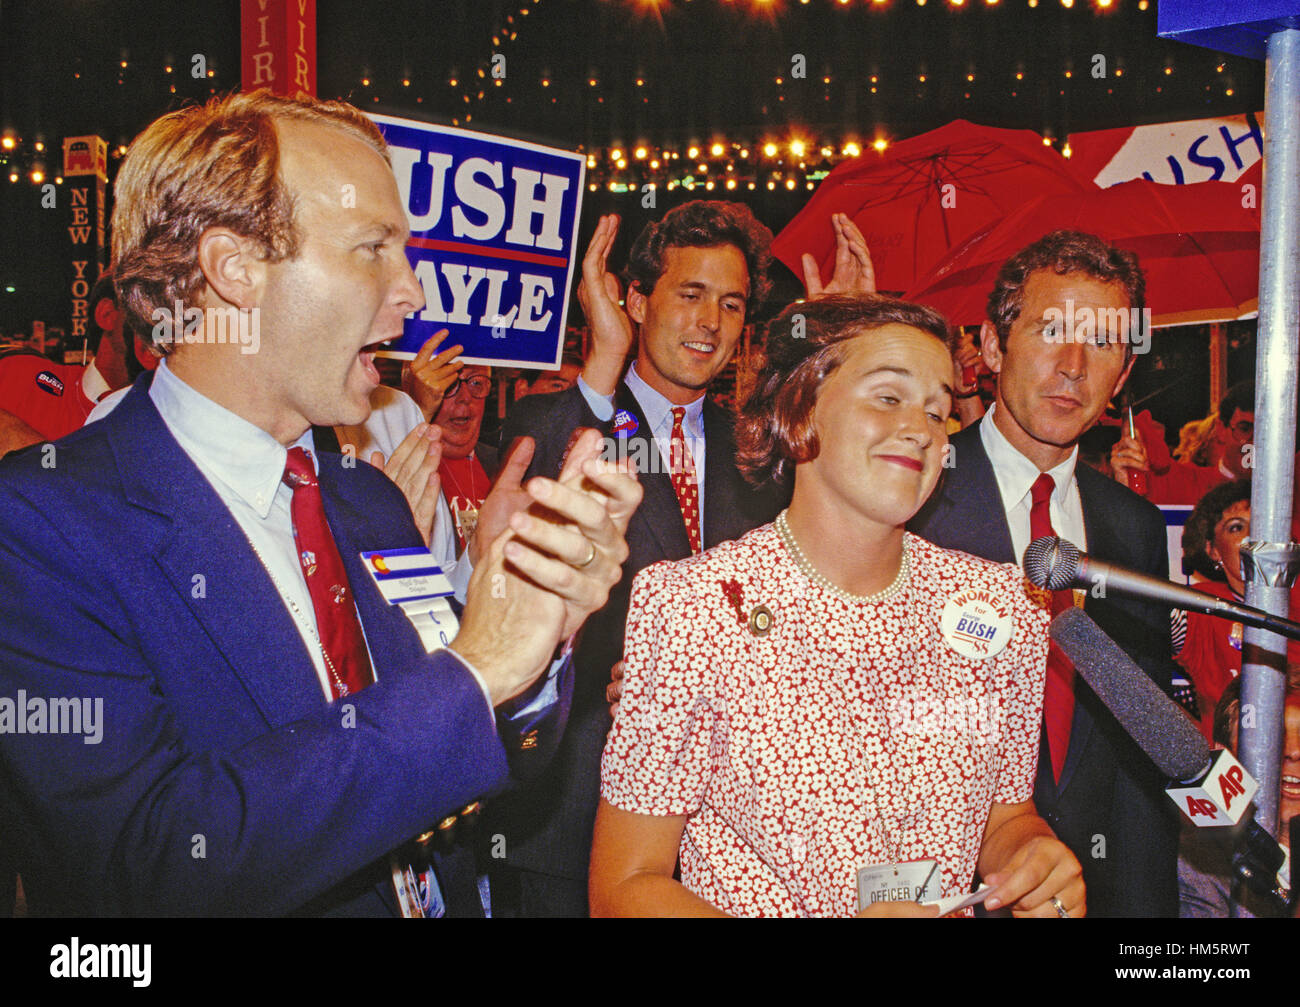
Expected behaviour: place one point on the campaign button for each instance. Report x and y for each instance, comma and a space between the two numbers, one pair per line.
976, 623
46, 381
625, 424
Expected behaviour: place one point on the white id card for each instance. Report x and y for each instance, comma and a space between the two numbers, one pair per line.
910, 881
955, 902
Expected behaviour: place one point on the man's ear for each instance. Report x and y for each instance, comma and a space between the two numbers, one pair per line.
521, 388
1123, 375
107, 315
636, 304
989, 348
232, 265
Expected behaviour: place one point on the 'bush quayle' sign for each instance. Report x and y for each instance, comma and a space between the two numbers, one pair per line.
494, 228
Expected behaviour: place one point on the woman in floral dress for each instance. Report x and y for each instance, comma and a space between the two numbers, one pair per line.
831, 716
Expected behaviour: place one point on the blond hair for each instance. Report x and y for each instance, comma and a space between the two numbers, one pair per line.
213, 165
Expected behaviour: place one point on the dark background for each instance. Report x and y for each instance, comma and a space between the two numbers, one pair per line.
668, 74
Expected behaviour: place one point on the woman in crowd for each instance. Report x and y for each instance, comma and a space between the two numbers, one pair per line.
831, 702
1212, 538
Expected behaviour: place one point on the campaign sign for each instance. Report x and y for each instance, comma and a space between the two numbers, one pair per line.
494, 231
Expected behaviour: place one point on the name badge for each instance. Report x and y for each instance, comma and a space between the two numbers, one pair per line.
976, 623
910, 881
411, 580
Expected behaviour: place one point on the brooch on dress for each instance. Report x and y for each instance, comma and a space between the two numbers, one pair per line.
759, 620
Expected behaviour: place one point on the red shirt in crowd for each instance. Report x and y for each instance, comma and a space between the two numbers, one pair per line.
48, 397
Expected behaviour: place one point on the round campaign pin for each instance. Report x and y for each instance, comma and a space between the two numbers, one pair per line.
625, 424
976, 623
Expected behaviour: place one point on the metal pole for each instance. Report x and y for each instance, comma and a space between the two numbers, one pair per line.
1263, 672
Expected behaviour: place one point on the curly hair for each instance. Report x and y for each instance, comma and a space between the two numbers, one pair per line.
804, 344
1199, 530
703, 223
213, 165
1063, 252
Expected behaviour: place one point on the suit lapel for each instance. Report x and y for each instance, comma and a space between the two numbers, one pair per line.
209, 562
721, 477
972, 497
659, 513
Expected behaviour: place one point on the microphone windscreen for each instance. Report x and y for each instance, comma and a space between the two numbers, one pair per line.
1052, 562
1148, 716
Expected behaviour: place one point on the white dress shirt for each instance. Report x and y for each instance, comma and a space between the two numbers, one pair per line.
1016, 476
658, 412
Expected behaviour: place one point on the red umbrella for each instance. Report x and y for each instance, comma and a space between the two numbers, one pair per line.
1197, 244
920, 198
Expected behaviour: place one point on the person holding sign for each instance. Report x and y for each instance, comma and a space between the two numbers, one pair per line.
832, 716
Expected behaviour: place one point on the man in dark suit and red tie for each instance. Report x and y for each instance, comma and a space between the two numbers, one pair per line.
1058, 337
282, 701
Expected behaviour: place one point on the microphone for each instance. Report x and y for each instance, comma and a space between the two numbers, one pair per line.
1057, 564
1210, 785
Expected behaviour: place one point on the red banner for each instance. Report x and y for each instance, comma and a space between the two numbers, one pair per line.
277, 43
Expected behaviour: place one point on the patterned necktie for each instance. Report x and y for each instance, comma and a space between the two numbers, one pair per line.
337, 624
1058, 697
682, 467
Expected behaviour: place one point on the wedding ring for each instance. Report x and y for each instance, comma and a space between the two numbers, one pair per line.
590, 555
1060, 908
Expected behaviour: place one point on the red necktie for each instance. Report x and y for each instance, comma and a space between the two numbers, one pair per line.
337, 624
1058, 697
682, 467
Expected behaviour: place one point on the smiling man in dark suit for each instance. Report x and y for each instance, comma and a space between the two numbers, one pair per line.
262, 731
1058, 336
693, 279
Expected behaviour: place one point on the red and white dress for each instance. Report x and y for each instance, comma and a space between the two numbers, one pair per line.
848, 734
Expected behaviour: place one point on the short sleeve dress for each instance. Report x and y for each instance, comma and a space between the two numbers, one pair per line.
834, 735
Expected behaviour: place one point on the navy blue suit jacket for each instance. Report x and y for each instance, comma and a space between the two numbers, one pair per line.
1109, 806
224, 783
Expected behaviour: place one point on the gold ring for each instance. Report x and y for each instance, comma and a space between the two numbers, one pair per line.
1060, 908
590, 555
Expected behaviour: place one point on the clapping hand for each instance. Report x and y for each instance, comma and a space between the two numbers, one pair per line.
612, 332
550, 569
413, 466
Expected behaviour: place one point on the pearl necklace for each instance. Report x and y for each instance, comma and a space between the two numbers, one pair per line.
810, 571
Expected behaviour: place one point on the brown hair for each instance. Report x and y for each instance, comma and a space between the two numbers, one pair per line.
703, 223
804, 344
1063, 252
213, 165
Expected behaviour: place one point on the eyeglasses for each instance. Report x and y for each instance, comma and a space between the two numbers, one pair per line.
479, 387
